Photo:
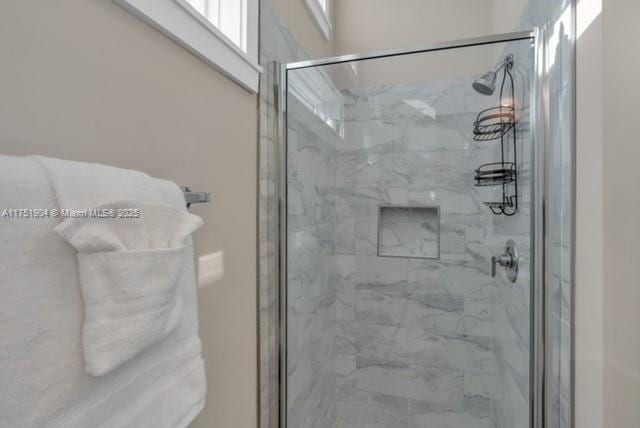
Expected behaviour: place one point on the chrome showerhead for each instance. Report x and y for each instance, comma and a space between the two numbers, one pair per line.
486, 84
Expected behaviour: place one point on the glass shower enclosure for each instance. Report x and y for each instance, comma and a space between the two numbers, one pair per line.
412, 238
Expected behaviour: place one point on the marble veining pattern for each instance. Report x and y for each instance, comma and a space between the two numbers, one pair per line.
512, 334
399, 342
419, 330
311, 377
405, 232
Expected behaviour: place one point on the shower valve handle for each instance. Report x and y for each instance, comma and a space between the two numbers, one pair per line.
508, 260
505, 260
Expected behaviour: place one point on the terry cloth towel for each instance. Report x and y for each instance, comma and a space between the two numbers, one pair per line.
52, 320
129, 259
129, 270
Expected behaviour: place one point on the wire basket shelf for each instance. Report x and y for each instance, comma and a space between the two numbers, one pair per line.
494, 123
495, 174
507, 207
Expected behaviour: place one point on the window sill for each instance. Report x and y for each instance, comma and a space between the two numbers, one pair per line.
324, 24
175, 19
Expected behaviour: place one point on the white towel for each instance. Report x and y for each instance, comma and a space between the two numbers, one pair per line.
42, 372
129, 270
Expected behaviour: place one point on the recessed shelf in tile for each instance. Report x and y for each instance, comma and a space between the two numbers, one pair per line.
409, 231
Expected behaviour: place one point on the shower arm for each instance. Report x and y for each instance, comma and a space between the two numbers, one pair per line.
507, 62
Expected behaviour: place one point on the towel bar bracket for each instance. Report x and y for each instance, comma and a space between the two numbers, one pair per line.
192, 197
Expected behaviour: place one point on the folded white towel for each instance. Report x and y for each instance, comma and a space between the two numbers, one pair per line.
129, 265
42, 310
129, 270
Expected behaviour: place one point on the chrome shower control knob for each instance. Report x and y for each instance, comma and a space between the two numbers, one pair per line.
508, 260
505, 261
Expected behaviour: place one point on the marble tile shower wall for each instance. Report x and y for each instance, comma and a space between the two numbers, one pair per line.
415, 338
556, 16
276, 44
366, 278
311, 292
512, 310
311, 308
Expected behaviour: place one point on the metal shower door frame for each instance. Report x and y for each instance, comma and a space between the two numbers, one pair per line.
539, 219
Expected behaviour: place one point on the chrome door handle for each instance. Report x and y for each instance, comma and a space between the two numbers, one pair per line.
508, 260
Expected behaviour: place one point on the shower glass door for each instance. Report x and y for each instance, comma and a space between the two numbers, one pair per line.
406, 176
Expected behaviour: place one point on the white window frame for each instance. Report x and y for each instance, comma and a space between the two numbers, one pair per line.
321, 16
317, 92
178, 20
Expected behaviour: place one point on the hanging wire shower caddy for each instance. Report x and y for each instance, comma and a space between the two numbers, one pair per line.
499, 124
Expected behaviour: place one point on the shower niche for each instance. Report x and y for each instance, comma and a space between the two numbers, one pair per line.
409, 231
